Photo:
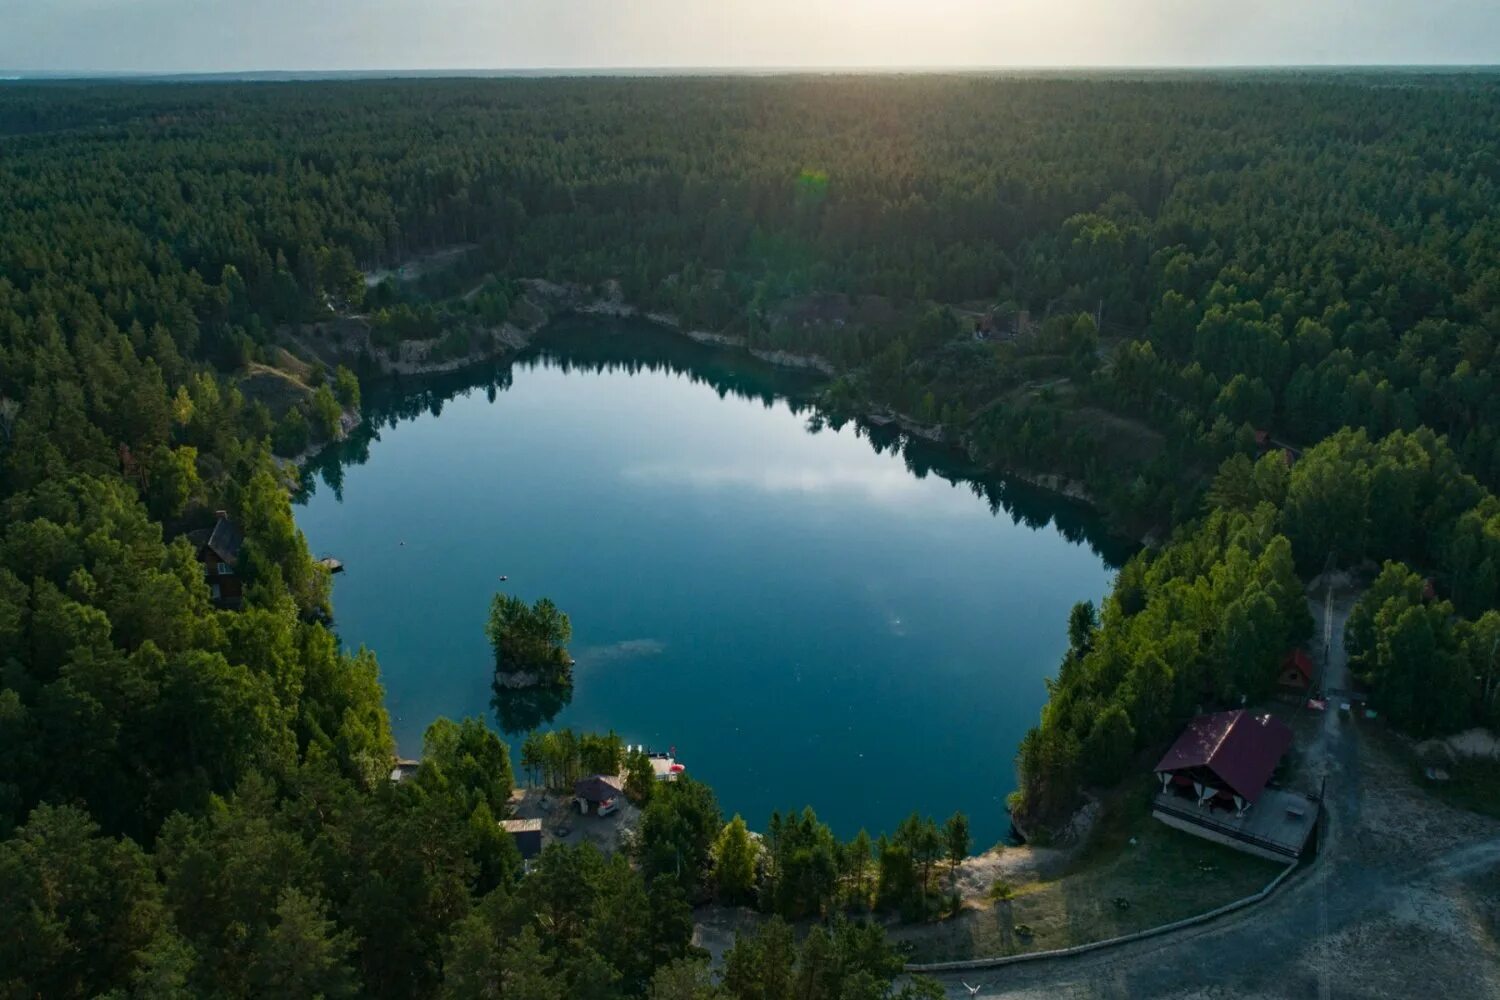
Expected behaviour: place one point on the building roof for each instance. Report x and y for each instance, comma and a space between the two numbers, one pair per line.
1303, 663
597, 788
225, 541
1241, 749
521, 825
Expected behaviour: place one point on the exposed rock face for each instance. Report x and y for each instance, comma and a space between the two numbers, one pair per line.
1071, 488
414, 357
1076, 833
911, 425
701, 336
1072, 834
789, 360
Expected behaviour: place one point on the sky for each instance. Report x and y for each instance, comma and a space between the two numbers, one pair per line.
176, 36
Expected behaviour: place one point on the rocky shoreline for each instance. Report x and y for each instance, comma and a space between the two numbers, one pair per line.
574, 298
544, 301
1053, 483
349, 420
928, 432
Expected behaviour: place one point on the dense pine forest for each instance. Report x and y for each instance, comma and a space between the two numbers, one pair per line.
1255, 316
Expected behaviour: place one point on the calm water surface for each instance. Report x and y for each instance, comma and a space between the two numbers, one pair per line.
809, 615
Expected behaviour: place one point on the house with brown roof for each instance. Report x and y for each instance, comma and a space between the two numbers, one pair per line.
1296, 671
1225, 758
598, 792
218, 550
1216, 784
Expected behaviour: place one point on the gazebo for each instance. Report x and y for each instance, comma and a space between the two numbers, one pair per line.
597, 792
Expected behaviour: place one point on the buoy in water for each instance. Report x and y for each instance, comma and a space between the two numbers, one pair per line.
503, 578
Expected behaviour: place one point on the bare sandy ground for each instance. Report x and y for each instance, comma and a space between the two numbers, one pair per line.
1012, 864
419, 265
1475, 742
608, 833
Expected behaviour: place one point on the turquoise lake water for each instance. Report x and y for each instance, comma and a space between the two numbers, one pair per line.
809, 615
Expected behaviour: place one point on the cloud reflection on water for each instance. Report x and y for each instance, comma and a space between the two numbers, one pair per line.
890, 484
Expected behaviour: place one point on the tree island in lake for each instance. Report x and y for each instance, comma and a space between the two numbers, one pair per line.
530, 643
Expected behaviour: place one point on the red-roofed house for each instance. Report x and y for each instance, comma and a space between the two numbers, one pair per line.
1296, 671
1225, 759
1215, 785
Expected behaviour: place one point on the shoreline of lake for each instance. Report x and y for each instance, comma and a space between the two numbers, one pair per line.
652, 485
547, 301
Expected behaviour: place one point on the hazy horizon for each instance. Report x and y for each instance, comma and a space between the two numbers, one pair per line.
11, 74
191, 37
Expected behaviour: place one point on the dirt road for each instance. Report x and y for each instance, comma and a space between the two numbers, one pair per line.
1404, 901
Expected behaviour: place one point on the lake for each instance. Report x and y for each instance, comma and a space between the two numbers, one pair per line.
811, 612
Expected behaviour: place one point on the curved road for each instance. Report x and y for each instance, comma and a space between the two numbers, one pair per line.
1364, 920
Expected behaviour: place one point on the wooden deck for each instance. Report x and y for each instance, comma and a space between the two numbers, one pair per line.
1277, 827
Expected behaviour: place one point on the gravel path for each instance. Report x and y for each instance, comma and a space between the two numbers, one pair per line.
1391, 908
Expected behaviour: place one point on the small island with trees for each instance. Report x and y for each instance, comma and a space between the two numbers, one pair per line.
530, 643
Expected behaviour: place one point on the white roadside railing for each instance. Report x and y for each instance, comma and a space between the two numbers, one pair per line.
1080, 949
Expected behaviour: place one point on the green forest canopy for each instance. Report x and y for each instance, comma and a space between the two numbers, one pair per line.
1185, 261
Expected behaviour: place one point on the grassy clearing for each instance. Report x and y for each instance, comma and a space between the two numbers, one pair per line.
1163, 876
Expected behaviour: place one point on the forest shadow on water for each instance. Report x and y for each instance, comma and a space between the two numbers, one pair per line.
595, 344
520, 710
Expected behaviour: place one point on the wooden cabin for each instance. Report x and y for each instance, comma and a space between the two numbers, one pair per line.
527, 833
1296, 671
219, 551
